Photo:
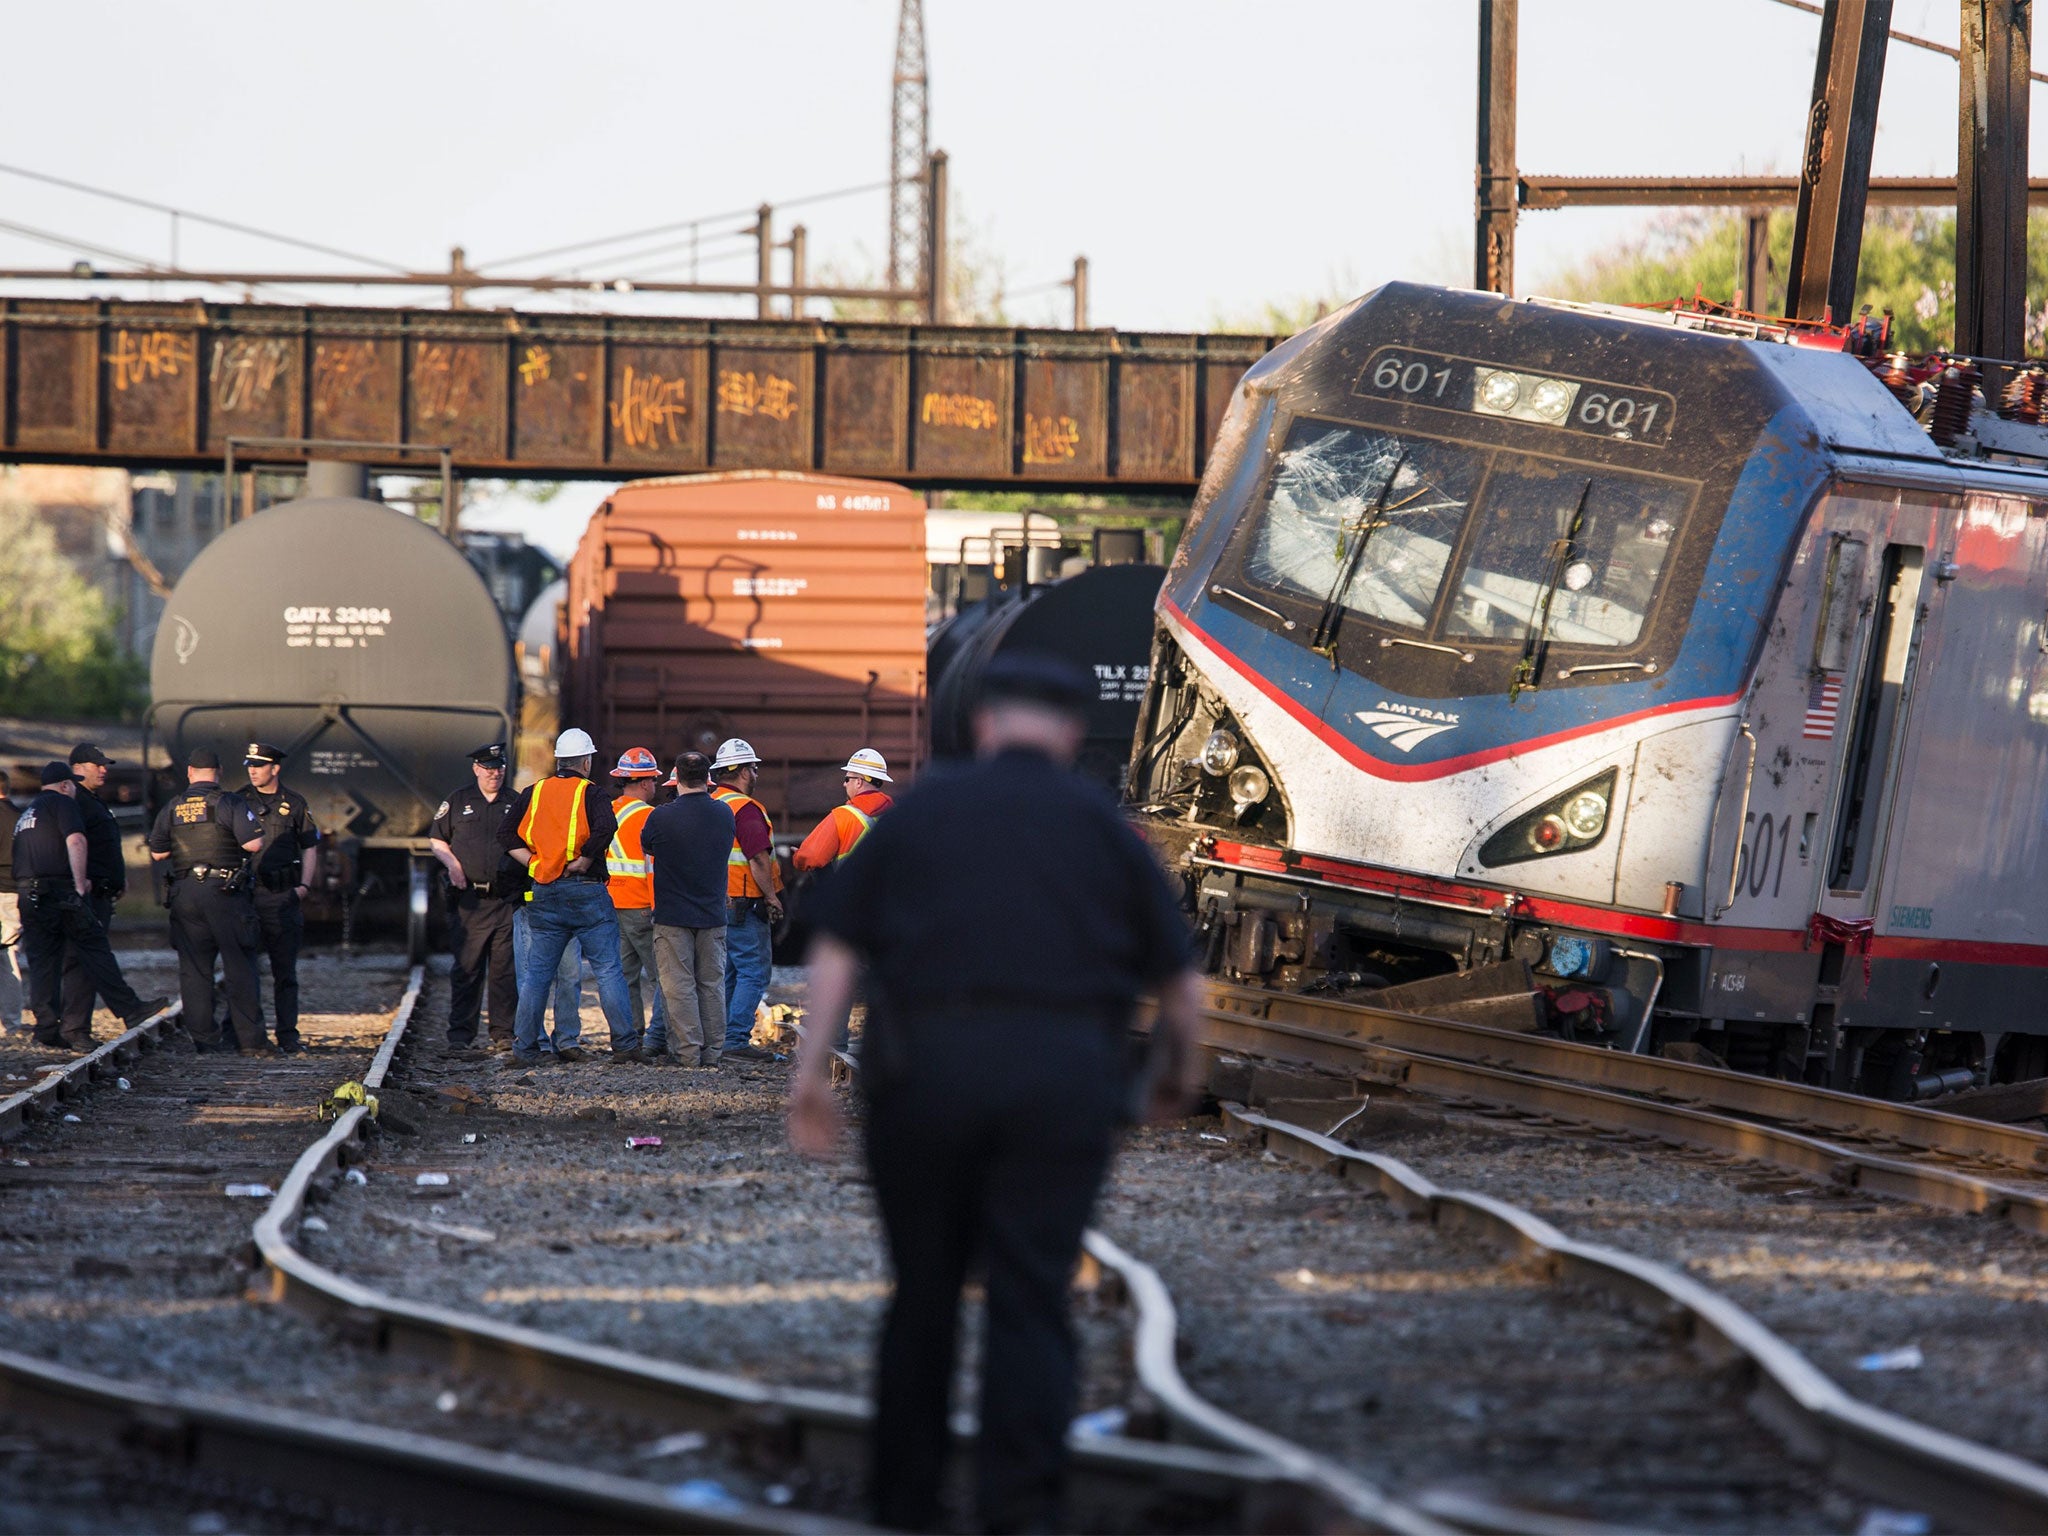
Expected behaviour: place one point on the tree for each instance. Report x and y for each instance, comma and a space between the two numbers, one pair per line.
58, 654
1908, 267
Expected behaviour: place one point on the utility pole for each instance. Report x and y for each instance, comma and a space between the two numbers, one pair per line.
1991, 181
1834, 175
457, 294
910, 146
799, 240
1079, 283
1493, 264
1756, 260
935, 246
764, 247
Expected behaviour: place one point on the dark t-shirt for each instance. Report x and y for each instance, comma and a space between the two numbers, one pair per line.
104, 865
1072, 913
689, 842
8, 816
50, 821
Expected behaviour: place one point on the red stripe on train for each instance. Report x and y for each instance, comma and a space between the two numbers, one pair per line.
1410, 773
1609, 921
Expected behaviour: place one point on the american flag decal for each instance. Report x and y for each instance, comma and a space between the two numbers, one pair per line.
1823, 703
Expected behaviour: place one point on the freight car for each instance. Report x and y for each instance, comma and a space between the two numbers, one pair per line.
360, 641
1654, 677
787, 609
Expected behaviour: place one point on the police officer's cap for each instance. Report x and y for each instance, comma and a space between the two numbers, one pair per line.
261, 752
490, 756
56, 773
88, 752
203, 757
1033, 677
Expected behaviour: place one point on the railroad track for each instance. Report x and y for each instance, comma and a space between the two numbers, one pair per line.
1942, 1161
149, 1218
1914, 1154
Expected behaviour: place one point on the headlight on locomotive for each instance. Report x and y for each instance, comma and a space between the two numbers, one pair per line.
1219, 753
1564, 824
1248, 786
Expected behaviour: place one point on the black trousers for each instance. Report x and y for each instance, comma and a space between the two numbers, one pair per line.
209, 922
480, 927
59, 931
282, 929
988, 1143
77, 990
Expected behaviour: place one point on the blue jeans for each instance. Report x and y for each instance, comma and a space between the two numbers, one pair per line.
749, 947
559, 912
568, 975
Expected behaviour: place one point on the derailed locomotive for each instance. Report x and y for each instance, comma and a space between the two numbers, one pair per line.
1650, 677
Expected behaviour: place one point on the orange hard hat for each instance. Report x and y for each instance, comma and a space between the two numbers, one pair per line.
637, 763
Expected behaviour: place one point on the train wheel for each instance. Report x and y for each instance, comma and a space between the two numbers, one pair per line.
416, 912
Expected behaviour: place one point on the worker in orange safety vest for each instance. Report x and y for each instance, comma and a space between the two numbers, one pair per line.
753, 894
845, 825
632, 889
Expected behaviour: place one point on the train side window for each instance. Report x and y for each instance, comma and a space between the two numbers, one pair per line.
1841, 604
1874, 732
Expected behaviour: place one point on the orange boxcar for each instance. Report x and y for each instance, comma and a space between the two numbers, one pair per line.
784, 608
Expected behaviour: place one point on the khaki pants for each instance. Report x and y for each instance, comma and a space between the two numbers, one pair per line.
690, 965
12, 970
636, 957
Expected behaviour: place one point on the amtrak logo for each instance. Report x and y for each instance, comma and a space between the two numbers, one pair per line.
1406, 726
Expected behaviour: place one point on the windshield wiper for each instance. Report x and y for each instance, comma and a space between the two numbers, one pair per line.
1324, 638
1536, 640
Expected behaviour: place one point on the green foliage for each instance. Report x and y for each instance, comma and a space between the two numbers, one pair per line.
58, 656
1908, 267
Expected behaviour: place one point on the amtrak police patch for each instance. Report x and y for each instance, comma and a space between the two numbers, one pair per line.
441, 812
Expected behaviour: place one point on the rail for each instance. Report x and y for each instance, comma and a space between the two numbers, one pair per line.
61, 1082
823, 1429
1461, 1075
1970, 1486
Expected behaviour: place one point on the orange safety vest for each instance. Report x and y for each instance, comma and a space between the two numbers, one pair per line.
739, 874
554, 826
855, 823
626, 862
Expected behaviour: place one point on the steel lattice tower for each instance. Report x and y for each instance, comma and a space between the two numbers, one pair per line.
909, 152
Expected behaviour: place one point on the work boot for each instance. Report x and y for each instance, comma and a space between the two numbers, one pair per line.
569, 1053
292, 1047
149, 1009
748, 1052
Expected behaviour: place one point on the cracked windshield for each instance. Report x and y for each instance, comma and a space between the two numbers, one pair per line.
1407, 500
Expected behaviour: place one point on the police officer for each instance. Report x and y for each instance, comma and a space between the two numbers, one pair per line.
487, 887
106, 867
58, 927
285, 871
1000, 992
205, 832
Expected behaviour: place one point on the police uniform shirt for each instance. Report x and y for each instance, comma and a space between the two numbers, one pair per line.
104, 865
198, 804
1073, 913
288, 831
40, 837
470, 825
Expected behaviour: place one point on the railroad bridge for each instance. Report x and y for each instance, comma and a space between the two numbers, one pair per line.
564, 396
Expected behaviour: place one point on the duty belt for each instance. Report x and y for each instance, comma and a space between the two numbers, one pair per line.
211, 871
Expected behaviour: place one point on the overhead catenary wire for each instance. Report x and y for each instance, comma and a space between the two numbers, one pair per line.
197, 218
677, 225
1909, 38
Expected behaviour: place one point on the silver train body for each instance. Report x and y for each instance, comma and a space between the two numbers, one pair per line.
1613, 674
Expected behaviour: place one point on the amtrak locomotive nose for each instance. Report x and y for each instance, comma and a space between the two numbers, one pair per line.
1610, 673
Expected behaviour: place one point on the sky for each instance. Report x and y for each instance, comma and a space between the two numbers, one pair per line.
1207, 156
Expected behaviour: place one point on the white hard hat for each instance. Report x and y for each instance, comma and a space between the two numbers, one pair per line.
869, 764
574, 743
732, 752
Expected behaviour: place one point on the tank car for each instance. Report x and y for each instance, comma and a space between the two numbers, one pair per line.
1654, 678
1100, 619
363, 643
